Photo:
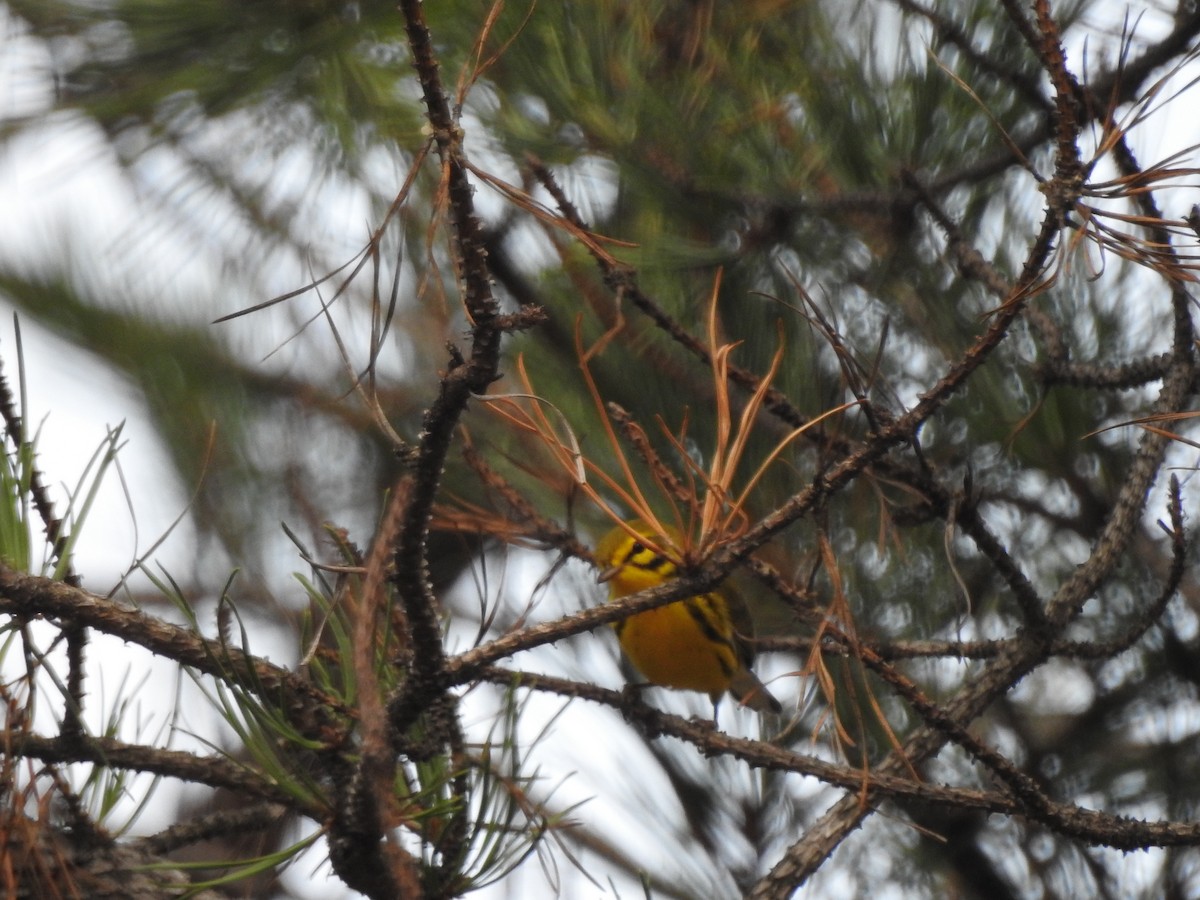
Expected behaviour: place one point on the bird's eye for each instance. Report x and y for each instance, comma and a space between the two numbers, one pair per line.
638, 547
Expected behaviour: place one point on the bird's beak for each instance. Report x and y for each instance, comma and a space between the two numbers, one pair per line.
608, 574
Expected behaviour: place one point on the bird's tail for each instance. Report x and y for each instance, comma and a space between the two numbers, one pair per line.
749, 691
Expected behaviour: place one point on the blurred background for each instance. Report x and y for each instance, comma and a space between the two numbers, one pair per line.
163, 166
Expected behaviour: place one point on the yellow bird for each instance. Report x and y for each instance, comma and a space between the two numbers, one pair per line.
696, 644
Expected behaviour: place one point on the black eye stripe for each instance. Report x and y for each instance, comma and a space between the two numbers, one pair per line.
656, 563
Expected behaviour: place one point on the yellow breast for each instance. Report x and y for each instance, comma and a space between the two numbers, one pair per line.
690, 645
682, 645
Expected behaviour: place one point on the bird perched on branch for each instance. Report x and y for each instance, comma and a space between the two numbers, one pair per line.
698, 643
